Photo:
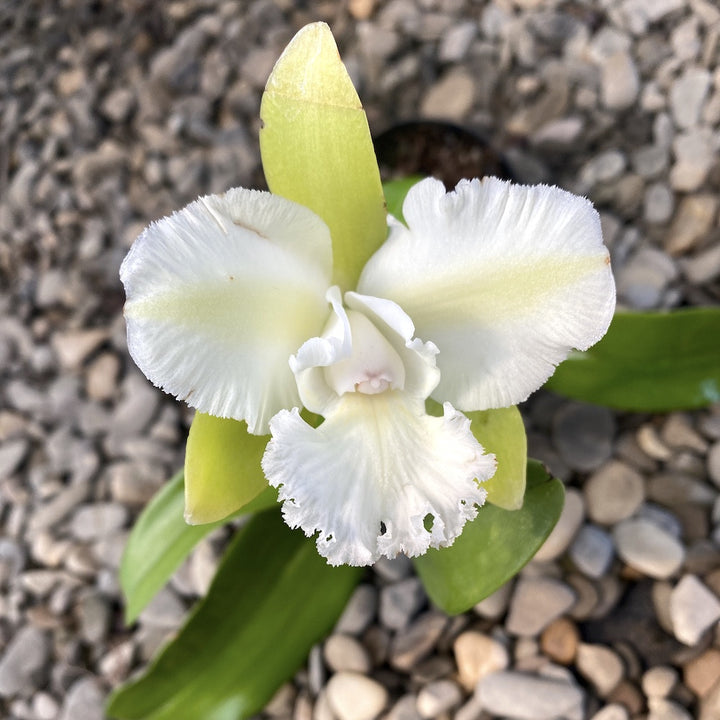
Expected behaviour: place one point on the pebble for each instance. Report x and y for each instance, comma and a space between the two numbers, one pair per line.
583, 435
164, 611
648, 548
694, 152
662, 709
404, 709
692, 222
450, 98
658, 203
703, 672
12, 454
12, 560
437, 698
703, 267
535, 603
456, 42
614, 711
400, 601
523, 696
603, 168
659, 681
91, 522
687, 96
571, 518
650, 161
613, 493
102, 375
693, 609
415, 642
476, 655
601, 666
495, 605
560, 640
344, 653
620, 81
84, 701
23, 662
644, 278
592, 551
355, 697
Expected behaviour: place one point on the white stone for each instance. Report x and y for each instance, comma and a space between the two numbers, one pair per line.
647, 547
535, 603
662, 709
658, 203
571, 519
694, 152
477, 655
592, 551
523, 696
23, 660
601, 666
614, 493
687, 96
493, 606
659, 681
359, 612
451, 97
84, 701
437, 698
344, 653
97, 520
693, 609
355, 697
620, 81
74, 346
614, 711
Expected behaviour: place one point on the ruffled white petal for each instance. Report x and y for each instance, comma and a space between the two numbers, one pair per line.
504, 279
378, 477
220, 294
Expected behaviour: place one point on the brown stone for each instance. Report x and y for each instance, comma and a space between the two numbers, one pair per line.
628, 695
703, 672
559, 641
692, 221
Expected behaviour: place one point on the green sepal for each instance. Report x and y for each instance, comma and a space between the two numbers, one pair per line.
502, 432
317, 150
222, 468
493, 547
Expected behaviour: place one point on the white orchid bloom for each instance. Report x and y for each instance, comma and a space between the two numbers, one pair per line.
228, 307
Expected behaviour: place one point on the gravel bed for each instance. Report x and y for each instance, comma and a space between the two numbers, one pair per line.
116, 113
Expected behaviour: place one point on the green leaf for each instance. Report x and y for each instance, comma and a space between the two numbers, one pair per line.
395, 192
493, 547
272, 599
648, 362
222, 468
317, 150
502, 432
161, 540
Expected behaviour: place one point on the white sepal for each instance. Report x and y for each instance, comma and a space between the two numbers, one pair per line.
505, 279
220, 294
377, 477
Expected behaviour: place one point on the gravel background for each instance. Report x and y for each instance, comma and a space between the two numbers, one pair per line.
116, 113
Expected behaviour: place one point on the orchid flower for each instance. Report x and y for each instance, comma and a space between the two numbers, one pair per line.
472, 303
